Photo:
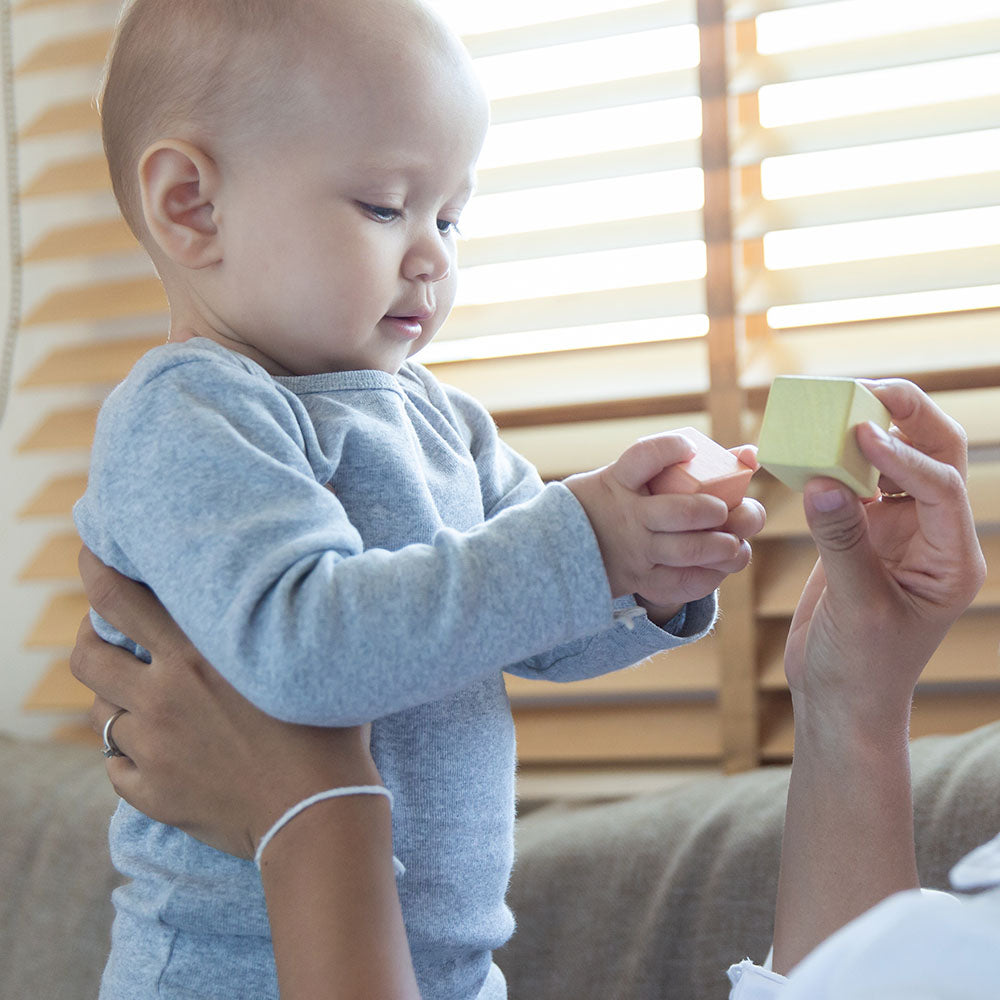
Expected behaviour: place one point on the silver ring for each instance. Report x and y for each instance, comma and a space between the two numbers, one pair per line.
110, 748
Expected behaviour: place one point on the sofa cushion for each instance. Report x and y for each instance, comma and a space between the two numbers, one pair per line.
650, 898
55, 875
653, 898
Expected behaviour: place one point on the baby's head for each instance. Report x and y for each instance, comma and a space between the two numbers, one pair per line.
295, 168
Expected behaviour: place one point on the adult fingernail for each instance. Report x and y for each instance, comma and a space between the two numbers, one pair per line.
827, 501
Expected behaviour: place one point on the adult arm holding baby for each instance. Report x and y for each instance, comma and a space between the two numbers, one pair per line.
193, 753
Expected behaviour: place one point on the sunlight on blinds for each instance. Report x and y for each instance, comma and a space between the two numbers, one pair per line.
879, 90
598, 130
583, 272
589, 181
884, 307
808, 246
473, 18
914, 205
584, 202
900, 162
599, 60
643, 331
853, 20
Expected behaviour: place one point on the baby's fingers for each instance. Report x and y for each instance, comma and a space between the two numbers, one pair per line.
666, 586
747, 519
714, 549
639, 463
681, 512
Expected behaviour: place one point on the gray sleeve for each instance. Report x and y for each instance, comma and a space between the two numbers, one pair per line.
201, 488
508, 479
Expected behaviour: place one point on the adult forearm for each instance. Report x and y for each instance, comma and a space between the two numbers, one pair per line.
848, 840
334, 909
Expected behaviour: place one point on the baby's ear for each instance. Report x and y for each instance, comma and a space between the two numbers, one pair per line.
179, 183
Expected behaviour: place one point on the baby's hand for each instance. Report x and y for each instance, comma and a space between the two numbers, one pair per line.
667, 549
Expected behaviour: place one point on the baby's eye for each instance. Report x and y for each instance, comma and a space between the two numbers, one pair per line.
445, 227
379, 213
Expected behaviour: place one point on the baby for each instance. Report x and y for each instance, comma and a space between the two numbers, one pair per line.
342, 536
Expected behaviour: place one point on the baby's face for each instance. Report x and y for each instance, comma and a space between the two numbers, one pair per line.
340, 234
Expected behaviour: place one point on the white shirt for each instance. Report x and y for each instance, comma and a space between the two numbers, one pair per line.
916, 945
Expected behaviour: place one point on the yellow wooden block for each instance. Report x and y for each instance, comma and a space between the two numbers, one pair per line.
808, 431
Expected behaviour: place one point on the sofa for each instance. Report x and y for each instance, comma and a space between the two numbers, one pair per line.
647, 897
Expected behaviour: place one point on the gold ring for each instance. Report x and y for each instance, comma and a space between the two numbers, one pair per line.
901, 495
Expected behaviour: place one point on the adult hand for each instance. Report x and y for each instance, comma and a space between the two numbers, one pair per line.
892, 577
893, 574
199, 756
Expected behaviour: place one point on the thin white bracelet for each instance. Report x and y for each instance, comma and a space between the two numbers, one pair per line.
330, 793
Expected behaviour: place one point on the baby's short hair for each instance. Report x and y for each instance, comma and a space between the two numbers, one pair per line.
187, 69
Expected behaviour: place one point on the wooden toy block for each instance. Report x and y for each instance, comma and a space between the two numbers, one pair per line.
713, 470
808, 431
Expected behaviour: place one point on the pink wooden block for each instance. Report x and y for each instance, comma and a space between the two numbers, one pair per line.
713, 470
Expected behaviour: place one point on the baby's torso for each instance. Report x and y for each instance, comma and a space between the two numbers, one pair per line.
399, 463
397, 456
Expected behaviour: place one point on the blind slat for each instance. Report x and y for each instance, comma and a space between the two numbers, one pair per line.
661, 731
858, 279
87, 239
580, 378
101, 301
647, 231
56, 497
596, 166
59, 621
883, 202
559, 450
753, 143
75, 116
55, 560
592, 97
62, 430
682, 298
903, 48
65, 53
74, 176
90, 364
690, 669
665, 14
59, 691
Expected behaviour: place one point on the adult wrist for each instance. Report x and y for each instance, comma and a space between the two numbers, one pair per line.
826, 729
312, 803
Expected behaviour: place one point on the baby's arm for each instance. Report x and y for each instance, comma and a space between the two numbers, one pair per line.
206, 486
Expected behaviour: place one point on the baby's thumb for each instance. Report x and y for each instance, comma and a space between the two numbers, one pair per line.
839, 526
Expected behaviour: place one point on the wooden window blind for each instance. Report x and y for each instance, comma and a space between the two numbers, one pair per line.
678, 201
866, 160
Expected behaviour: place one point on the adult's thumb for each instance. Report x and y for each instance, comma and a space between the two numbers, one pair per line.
839, 526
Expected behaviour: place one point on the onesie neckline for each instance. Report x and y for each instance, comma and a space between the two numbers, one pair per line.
327, 381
